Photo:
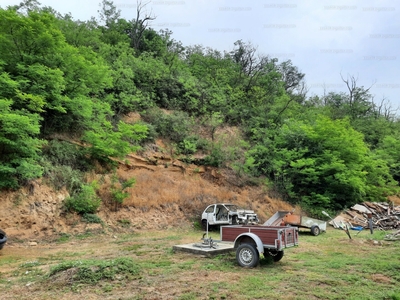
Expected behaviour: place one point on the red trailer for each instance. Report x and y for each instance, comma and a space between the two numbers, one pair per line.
252, 240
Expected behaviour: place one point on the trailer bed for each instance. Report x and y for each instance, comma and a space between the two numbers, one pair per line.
272, 237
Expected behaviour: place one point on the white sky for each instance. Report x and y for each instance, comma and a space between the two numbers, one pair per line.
323, 38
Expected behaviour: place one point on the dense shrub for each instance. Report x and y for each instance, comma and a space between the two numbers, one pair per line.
85, 201
175, 126
66, 154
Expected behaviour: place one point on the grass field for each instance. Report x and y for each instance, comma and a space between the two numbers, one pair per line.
142, 265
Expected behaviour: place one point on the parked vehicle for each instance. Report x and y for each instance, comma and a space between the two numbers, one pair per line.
3, 239
287, 218
227, 214
252, 240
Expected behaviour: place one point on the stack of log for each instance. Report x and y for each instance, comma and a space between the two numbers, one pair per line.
393, 236
385, 216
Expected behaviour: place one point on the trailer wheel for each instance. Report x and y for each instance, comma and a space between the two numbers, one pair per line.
204, 225
275, 255
235, 220
247, 256
315, 230
3, 239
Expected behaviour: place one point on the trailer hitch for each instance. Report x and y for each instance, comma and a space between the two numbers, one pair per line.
208, 242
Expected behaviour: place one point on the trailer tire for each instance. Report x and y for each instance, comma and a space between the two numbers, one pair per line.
3, 239
235, 220
315, 230
275, 255
204, 225
247, 255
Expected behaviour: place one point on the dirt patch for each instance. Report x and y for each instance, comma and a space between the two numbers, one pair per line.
381, 278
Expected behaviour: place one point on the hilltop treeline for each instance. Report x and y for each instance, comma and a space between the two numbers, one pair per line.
61, 76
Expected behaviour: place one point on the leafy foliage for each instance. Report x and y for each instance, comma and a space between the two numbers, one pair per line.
118, 190
323, 164
84, 201
107, 141
175, 126
19, 146
60, 76
92, 218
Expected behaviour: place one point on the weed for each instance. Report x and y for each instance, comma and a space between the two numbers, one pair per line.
8, 260
18, 199
107, 288
188, 296
85, 235
125, 223
394, 296
93, 271
133, 247
168, 238
30, 264
64, 237
92, 218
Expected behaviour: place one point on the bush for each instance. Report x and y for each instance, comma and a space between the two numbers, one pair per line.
119, 194
92, 218
216, 158
187, 146
85, 201
192, 144
66, 154
175, 126
60, 176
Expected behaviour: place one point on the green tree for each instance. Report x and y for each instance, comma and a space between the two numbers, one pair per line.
19, 146
389, 151
45, 66
321, 164
107, 141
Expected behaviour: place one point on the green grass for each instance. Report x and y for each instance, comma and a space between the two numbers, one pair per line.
335, 267
64, 237
141, 265
93, 271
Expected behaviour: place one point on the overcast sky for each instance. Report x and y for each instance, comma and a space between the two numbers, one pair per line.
324, 39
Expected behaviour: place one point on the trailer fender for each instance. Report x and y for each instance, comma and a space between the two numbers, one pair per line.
245, 237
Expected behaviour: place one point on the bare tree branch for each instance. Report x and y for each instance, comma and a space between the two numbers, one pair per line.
140, 24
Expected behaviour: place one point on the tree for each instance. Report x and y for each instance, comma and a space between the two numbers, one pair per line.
359, 98
291, 75
109, 142
27, 6
81, 33
109, 13
389, 151
322, 164
139, 24
19, 146
115, 29
251, 65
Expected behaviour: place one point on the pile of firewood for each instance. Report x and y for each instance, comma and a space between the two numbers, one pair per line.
385, 216
393, 236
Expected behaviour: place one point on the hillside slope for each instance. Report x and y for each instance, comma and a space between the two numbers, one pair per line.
167, 193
